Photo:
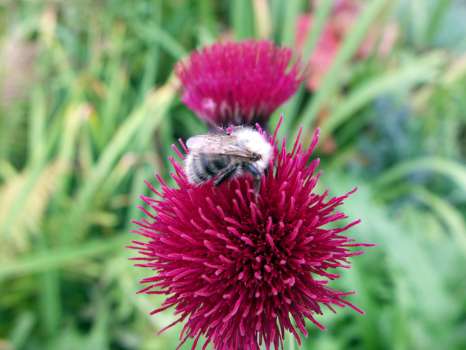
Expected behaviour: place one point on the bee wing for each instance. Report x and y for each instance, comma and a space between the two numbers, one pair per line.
202, 142
217, 144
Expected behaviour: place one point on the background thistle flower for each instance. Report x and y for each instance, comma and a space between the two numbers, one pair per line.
236, 266
238, 83
379, 40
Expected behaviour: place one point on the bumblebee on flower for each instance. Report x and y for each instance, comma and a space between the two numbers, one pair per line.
240, 245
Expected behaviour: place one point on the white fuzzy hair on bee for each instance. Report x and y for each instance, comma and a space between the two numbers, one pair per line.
222, 156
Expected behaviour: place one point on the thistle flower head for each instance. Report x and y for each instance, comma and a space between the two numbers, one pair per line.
241, 268
238, 83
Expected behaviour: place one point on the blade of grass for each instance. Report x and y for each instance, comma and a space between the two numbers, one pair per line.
74, 117
143, 172
455, 171
289, 112
292, 10
290, 109
152, 61
167, 95
57, 118
276, 12
147, 116
419, 10
49, 294
454, 71
138, 188
37, 128
322, 12
421, 70
346, 52
447, 213
99, 335
262, 16
22, 330
55, 52
205, 10
151, 69
115, 89
118, 176
367, 324
241, 19
436, 19
61, 258
161, 37
37, 162
114, 86
401, 324
7, 170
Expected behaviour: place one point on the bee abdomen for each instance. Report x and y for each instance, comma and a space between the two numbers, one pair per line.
206, 166
198, 174
213, 163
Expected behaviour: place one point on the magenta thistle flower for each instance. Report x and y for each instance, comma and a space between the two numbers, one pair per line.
240, 267
238, 83
344, 15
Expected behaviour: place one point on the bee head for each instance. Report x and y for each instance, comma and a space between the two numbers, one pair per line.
255, 157
256, 144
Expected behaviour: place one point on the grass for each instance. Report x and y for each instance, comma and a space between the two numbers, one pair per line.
91, 109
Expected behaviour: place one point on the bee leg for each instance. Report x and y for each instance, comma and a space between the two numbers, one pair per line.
225, 174
255, 173
266, 171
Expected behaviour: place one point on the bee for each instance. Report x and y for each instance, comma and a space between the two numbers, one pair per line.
223, 156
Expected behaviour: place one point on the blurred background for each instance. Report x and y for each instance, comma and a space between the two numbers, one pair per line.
89, 108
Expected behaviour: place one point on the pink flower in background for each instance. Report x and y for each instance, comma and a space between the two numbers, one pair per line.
238, 83
239, 267
342, 18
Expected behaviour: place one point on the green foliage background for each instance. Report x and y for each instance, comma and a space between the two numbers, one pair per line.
89, 109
